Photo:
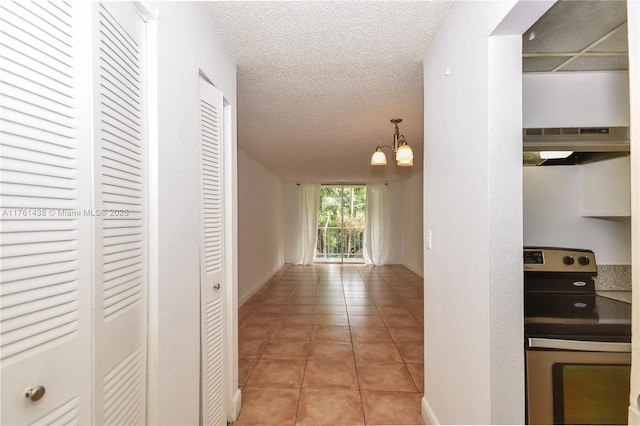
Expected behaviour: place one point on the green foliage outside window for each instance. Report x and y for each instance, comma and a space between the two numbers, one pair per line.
341, 221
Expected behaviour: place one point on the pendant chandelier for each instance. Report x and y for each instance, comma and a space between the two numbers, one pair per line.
401, 148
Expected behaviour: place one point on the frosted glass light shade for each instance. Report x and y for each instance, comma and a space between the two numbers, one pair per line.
405, 163
552, 155
404, 155
378, 158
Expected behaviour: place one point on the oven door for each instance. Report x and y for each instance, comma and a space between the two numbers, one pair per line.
575, 382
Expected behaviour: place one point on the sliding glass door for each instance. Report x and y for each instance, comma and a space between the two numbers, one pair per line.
341, 223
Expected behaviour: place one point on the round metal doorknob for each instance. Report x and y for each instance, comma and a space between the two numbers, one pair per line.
217, 286
35, 394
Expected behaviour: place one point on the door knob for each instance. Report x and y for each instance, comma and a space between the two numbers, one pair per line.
217, 286
35, 394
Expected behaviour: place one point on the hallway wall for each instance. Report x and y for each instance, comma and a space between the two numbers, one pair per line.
260, 225
182, 42
473, 205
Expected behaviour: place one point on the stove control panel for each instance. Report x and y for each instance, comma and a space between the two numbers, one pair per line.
551, 259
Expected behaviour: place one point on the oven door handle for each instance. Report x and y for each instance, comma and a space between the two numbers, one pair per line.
578, 345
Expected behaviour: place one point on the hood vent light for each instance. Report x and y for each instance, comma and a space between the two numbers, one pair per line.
553, 155
588, 144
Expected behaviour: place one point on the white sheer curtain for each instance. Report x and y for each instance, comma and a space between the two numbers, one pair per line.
310, 205
376, 225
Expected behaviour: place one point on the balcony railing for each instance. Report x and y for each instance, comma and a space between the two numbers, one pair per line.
335, 243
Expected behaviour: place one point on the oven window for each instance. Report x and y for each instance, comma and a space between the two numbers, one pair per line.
591, 394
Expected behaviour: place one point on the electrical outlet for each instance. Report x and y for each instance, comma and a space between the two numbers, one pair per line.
428, 239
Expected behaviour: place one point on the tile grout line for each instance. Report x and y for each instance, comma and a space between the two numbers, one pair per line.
355, 365
404, 362
306, 359
317, 283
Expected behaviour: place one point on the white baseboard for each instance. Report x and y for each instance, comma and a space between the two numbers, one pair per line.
243, 298
428, 416
413, 269
236, 404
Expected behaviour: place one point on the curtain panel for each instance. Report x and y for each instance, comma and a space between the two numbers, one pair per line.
376, 227
310, 199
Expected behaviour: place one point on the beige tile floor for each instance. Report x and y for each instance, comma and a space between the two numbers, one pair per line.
333, 344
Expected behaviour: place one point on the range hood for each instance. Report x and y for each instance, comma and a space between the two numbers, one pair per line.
587, 144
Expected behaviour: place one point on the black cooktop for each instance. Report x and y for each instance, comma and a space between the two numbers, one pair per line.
577, 317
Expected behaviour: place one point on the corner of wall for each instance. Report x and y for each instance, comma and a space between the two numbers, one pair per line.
415, 269
236, 404
242, 298
428, 416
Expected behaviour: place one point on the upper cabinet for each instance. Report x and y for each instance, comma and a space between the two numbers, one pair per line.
607, 188
575, 99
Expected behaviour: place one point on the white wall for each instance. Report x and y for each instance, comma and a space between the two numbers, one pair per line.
413, 245
567, 99
474, 361
552, 216
292, 217
396, 218
182, 42
260, 225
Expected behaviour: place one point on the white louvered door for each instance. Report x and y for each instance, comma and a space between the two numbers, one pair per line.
73, 218
45, 282
120, 220
212, 286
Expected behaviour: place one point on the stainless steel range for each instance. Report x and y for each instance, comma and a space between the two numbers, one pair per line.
577, 343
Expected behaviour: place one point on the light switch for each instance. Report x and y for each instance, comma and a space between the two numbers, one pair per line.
428, 239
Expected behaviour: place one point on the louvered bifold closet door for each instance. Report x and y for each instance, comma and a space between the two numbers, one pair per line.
45, 276
120, 220
212, 256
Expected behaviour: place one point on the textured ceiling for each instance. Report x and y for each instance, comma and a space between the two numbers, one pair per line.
578, 36
318, 82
